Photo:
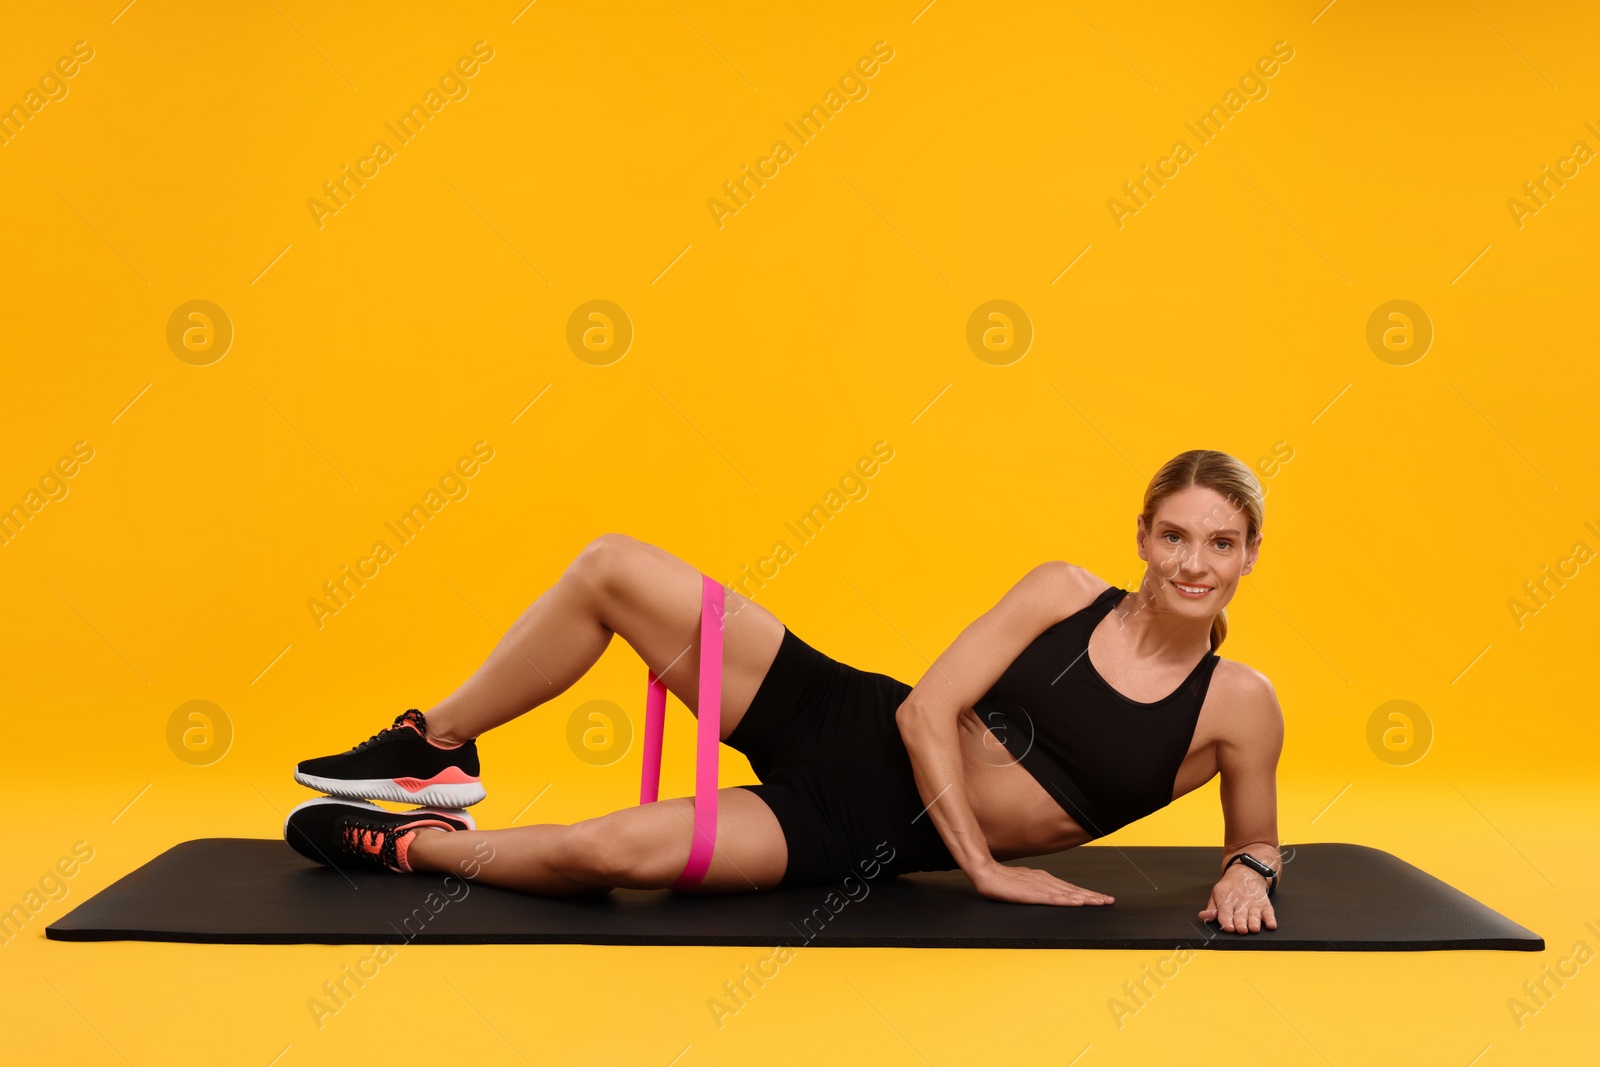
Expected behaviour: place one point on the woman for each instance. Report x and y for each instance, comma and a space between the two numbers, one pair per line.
1067, 710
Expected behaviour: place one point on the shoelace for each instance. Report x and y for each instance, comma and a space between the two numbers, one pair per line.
398, 724
363, 839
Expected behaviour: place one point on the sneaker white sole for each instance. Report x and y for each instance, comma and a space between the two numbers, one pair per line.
451, 795
366, 806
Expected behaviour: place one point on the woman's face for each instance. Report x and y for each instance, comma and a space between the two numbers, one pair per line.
1197, 543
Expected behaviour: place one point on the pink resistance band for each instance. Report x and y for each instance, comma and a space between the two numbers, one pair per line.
707, 741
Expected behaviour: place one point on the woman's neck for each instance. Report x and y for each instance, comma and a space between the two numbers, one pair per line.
1153, 632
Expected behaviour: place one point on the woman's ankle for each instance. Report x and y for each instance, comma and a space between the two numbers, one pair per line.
441, 731
421, 858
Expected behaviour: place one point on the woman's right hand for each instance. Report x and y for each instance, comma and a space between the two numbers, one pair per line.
1027, 885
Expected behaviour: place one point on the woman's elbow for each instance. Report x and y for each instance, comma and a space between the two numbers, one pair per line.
904, 714
914, 717
906, 717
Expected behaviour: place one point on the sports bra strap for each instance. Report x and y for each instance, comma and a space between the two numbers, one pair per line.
707, 740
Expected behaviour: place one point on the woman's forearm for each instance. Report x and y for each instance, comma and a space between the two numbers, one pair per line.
931, 738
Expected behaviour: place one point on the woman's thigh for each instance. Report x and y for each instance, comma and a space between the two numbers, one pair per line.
647, 846
841, 818
652, 598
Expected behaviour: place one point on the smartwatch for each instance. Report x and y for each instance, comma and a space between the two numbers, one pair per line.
1255, 865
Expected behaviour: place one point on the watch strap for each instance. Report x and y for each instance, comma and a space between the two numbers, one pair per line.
1255, 865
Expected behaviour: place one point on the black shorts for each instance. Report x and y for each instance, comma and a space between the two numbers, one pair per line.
821, 736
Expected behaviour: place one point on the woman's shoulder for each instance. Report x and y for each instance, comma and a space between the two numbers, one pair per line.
1083, 583
1240, 676
1072, 588
1245, 692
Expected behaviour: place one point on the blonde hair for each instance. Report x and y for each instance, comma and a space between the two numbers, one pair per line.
1221, 473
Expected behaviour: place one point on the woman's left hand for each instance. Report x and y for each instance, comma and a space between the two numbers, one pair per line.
1239, 902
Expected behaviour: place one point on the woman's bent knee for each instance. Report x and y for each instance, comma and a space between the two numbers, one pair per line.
597, 563
611, 851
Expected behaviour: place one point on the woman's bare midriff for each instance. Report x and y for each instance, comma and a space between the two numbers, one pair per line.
1020, 817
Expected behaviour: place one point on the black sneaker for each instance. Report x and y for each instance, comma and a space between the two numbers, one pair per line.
399, 763
356, 835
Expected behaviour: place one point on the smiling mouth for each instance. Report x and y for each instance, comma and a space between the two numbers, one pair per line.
1193, 592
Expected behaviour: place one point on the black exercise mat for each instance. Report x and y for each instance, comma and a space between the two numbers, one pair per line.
1335, 897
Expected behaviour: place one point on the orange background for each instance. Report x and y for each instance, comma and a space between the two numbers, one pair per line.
768, 355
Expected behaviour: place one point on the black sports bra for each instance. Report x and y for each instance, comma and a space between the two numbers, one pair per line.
1106, 759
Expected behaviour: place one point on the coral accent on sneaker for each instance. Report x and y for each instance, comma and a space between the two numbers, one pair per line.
402, 845
448, 776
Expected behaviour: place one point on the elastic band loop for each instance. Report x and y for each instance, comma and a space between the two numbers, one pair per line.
707, 742
655, 715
